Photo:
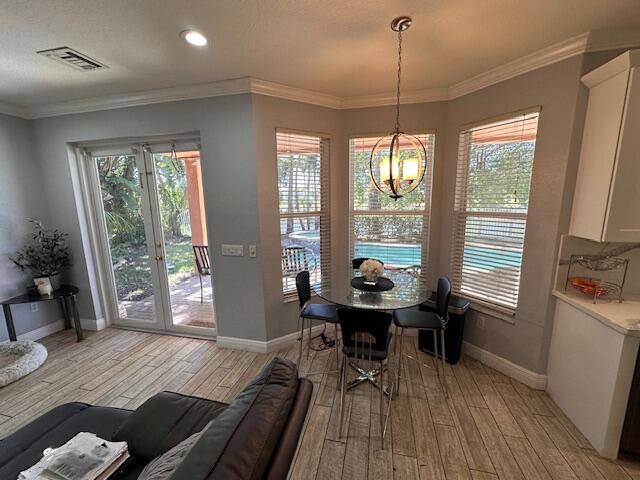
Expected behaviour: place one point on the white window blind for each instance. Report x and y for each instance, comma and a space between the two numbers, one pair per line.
395, 232
303, 187
493, 178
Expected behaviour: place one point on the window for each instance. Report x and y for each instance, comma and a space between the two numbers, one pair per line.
395, 232
495, 161
303, 186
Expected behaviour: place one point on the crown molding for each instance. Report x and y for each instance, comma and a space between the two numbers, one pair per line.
13, 110
542, 58
385, 99
272, 89
586, 42
163, 95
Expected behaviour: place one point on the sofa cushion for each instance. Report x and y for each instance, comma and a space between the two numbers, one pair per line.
24, 448
162, 467
163, 421
240, 442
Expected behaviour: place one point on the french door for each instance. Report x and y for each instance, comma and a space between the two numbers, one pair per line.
152, 237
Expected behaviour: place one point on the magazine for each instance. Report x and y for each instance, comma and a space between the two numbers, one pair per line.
84, 457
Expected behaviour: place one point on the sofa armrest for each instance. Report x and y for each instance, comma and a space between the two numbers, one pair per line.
281, 461
163, 421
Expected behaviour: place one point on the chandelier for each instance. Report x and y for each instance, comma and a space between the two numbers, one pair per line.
397, 163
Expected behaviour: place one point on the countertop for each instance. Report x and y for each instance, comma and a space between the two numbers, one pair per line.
623, 317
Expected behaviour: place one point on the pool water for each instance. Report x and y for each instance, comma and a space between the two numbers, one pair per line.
403, 255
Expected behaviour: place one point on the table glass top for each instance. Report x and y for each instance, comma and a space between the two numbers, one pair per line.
409, 291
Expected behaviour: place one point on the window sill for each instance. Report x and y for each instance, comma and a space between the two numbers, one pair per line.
288, 298
491, 310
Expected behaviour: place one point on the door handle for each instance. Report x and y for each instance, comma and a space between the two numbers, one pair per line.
159, 258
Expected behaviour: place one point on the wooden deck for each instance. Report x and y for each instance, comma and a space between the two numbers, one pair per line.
186, 308
491, 427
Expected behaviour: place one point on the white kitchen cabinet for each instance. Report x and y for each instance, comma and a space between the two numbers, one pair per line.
592, 357
606, 204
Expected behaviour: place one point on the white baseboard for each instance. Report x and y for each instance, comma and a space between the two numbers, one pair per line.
259, 346
93, 324
534, 380
279, 343
44, 331
242, 344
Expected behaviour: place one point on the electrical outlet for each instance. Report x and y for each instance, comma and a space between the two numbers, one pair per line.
232, 250
253, 252
34, 307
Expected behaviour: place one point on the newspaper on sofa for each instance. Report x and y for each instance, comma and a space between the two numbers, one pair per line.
84, 457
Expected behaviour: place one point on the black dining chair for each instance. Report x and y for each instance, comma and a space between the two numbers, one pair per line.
365, 336
313, 311
356, 262
434, 321
201, 253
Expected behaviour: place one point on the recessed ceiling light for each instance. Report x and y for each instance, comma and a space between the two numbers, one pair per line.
194, 38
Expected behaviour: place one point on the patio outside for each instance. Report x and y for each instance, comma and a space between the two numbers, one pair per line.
181, 208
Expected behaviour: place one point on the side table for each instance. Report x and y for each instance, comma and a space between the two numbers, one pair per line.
65, 295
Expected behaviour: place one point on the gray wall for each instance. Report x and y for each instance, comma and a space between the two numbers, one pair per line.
21, 197
230, 189
269, 114
556, 89
240, 181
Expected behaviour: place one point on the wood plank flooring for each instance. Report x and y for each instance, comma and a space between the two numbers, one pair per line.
490, 427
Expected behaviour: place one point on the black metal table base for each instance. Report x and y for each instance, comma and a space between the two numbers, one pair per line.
366, 376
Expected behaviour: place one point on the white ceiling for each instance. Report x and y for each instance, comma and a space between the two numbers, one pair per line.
338, 47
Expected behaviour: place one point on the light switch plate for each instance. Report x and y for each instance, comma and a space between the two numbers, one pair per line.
253, 252
232, 250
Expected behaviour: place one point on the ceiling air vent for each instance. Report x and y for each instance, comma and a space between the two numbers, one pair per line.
73, 58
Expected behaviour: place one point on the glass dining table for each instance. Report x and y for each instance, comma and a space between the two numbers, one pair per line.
409, 290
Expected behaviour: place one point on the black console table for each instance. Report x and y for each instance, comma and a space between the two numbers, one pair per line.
65, 295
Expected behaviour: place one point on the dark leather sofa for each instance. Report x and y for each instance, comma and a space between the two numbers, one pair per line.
254, 437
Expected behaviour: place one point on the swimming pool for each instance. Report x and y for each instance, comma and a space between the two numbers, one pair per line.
403, 255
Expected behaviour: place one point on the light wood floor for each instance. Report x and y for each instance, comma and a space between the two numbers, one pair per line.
490, 427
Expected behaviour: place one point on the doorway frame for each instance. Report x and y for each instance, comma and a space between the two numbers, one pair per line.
90, 204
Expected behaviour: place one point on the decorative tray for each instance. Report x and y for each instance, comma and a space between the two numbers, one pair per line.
383, 284
594, 287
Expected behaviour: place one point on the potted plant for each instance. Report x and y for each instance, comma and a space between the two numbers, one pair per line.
45, 257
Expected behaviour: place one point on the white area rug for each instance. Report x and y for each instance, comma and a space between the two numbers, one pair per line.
18, 359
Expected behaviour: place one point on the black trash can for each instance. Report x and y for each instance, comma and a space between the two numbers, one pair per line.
452, 335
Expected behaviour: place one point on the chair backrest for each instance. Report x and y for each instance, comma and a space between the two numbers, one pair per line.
354, 322
201, 252
356, 262
443, 295
296, 259
303, 286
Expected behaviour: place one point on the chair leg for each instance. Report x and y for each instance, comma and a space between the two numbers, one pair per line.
443, 378
399, 361
301, 339
201, 290
309, 338
395, 351
435, 354
381, 393
335, 343
343, 374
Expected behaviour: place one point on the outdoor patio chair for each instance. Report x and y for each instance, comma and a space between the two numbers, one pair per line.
297, 259
201, 252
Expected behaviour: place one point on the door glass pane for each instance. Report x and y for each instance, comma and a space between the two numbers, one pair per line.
122, 203
182, 215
